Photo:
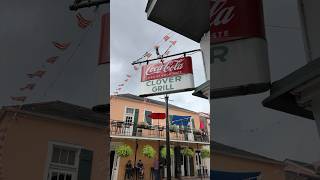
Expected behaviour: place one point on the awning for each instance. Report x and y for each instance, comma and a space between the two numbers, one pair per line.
222, 175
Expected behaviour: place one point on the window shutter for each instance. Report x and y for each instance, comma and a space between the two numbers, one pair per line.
147, 119
192, 120
85, 164
135, 122
170, 119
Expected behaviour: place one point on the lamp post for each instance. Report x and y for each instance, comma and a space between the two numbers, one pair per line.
168, 159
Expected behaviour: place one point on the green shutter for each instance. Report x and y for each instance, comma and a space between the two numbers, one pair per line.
170, 119
135, 122
147, 119
85, 164
192, 120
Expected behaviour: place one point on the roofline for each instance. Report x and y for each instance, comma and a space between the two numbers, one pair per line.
172, 106
304, 168
61, 119
267, 160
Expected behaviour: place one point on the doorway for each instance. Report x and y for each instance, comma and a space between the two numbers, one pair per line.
114, 165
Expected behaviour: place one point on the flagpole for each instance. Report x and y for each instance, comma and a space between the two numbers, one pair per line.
168, 159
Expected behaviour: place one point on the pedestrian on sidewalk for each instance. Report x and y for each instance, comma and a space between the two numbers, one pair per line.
156, 169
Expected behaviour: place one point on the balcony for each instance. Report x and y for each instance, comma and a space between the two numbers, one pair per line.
157, 132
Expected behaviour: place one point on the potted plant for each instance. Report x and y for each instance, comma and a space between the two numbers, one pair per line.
205, 153
148, 151
124, 150
174, 128
142, 125
163, 152
188, 152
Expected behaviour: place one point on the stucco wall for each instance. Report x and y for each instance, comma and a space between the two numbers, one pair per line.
26, 146
118, 105
148, 163
229, 163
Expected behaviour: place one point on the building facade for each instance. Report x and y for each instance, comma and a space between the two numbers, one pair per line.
131, 125
52, 141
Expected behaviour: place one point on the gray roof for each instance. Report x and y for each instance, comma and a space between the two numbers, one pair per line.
131, 96
67, 111
303, 164
218, 147
280, 97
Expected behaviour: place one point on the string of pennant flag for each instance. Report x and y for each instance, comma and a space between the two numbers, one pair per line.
166, 38
38, 74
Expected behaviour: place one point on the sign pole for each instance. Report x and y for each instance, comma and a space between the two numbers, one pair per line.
168, 159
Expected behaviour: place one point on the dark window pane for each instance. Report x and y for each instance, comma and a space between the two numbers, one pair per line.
68, 177
55, 154
54, 176
71, 157
61, 176
63, 156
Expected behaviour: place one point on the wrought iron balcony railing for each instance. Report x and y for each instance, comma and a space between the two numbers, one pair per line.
122, 128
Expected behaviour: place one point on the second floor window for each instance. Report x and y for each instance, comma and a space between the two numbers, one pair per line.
129, 114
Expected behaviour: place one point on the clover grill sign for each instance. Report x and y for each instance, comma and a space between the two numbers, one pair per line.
168, 77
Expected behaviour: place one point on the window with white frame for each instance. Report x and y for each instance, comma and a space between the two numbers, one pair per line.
63, 162
129, 114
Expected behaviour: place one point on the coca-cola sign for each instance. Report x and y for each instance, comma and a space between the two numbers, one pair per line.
167, 69
168, 77
236, 19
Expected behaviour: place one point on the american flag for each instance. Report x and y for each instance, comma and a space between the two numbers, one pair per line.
52, 60
173, 42
28, 86
82, 22
19, 98
147, 55
61, 46
38, 73
166, 38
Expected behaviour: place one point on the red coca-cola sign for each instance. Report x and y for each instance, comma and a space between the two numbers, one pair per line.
236, 19
167, 69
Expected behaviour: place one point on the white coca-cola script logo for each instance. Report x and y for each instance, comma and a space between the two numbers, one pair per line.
170, 66
220, 14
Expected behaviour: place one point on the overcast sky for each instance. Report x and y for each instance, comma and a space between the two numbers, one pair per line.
27, 31
131, 36
243, 122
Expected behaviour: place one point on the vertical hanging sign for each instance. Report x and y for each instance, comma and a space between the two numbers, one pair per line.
104, 51
239, 58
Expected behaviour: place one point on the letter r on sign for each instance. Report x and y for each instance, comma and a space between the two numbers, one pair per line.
219, 53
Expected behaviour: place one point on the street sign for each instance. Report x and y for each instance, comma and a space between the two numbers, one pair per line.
165, 78
239, 57
157, 115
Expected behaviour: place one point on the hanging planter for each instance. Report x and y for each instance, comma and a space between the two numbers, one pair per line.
188, 152
124, 150
163, 152
205, 153
148, 151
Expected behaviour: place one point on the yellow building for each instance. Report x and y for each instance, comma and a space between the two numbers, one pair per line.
131, 125
228, 159
51, 141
